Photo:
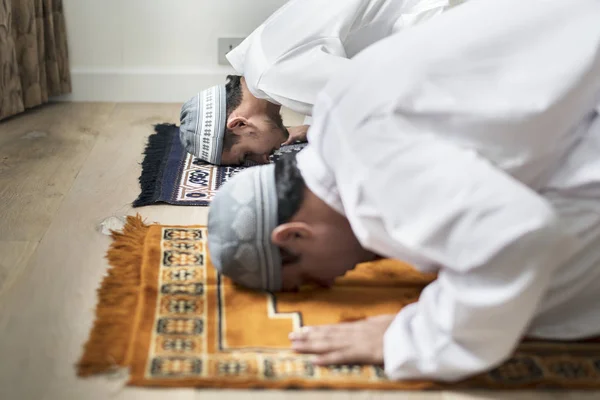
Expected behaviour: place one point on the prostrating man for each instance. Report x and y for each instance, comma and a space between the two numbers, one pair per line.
476, 157
287, 61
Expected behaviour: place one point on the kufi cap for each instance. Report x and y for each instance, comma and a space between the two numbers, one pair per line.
241, 218
203, 122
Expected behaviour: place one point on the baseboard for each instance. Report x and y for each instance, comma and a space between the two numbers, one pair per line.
141, 85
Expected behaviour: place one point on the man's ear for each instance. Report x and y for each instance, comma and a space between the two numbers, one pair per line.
235, 122
286, 234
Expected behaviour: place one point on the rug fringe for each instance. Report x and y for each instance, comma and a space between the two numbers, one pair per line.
157, 149
109, 340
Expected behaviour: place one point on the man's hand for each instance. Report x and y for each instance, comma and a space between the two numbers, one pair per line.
358, 342
297, 134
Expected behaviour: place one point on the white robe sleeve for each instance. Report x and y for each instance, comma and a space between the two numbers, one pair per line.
297, 77
464, 324
495, 241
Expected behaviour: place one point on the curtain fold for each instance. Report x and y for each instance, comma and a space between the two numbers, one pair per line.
34, 59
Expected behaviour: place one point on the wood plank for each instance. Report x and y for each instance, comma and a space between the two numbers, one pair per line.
34, 119
39, 162
14, 256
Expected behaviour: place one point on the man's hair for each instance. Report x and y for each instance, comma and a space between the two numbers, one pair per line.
289, 186
233, 88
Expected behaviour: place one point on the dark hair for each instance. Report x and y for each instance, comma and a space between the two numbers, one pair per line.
233, 88
289, 186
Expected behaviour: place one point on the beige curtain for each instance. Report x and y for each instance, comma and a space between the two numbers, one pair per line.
34, 60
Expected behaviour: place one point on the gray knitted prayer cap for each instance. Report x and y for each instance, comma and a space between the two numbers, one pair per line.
241, 218
203, 123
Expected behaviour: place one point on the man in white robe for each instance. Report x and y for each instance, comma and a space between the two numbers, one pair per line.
285, 62
478, 159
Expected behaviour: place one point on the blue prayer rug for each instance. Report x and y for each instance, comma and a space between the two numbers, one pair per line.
171, 175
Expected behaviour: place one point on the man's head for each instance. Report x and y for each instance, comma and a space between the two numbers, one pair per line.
268, 231
227, 125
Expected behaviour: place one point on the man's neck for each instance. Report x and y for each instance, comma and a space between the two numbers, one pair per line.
251, 105
315, 210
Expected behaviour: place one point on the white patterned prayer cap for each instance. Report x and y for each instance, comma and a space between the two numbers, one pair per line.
241, 218
203, 122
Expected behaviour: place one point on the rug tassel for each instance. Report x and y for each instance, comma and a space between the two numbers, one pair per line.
106, 349
155, 155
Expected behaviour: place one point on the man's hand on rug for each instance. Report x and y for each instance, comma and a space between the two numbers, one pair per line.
297, 134
358, 342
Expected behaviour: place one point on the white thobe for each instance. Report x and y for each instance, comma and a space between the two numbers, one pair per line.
478, 157
290, 57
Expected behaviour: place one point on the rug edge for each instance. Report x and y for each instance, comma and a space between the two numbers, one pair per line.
155, 154
108, 342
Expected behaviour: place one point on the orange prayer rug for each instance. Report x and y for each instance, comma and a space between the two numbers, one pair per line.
166, 315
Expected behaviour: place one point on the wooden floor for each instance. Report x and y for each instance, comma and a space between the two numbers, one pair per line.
64, 169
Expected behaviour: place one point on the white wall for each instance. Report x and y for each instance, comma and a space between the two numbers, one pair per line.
153, 50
